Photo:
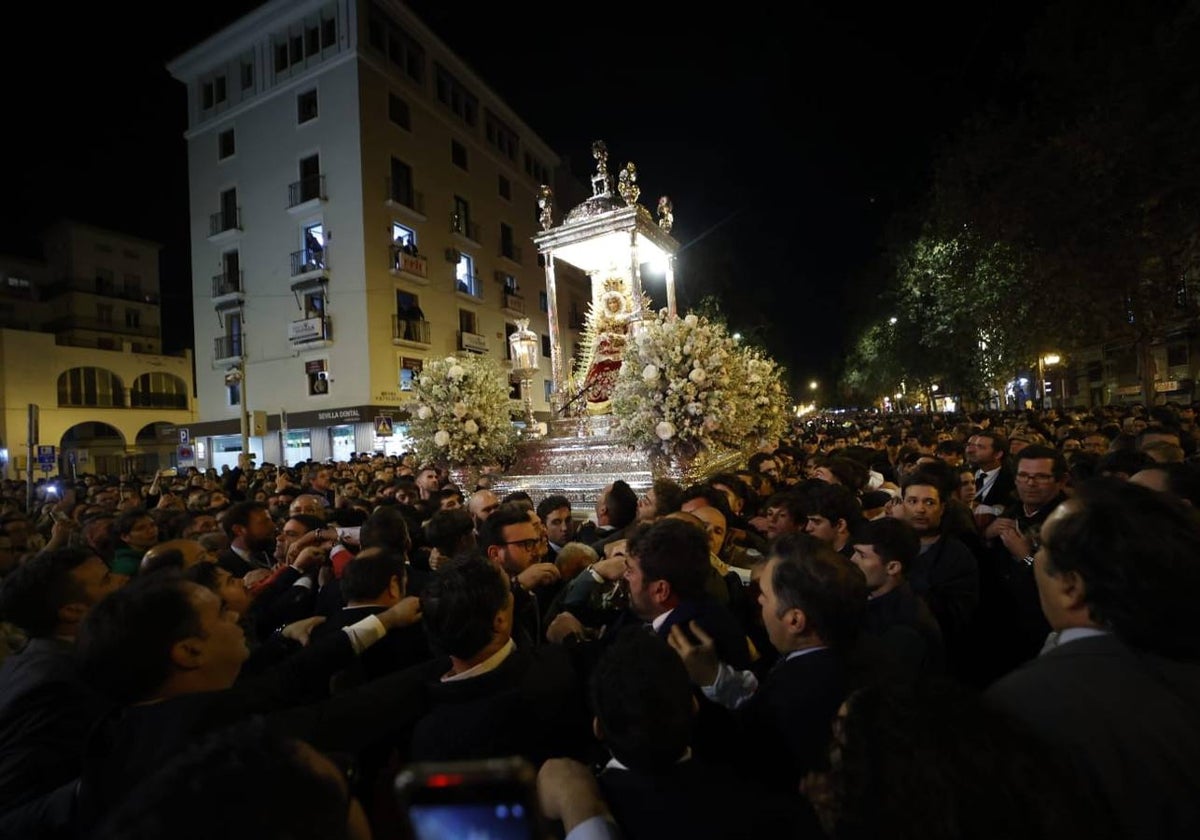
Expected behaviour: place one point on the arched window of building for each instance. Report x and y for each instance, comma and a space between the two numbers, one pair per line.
90, 387
158, 390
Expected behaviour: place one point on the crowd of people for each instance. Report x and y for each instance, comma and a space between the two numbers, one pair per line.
905, 626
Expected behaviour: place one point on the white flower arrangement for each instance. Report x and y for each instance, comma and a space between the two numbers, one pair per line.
686, 387
462, 416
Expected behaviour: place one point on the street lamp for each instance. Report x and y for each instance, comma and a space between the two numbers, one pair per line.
892, 320
236, 375
523, 345
1049, 360
812, 386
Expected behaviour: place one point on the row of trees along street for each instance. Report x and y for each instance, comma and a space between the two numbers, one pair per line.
1062, 214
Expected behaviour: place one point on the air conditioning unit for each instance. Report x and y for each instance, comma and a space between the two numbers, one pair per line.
452, 255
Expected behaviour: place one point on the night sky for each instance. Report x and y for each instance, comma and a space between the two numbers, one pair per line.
787, 143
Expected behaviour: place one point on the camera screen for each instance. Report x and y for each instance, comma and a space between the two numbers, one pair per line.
478, 821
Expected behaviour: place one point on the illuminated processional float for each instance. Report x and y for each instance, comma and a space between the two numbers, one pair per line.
653, 394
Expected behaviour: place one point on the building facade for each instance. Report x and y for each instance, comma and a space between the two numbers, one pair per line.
360, 202
81, 339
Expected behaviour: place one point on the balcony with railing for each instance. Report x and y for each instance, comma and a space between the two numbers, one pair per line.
463, 228
306, 190
403, 264
80, 322
400, 195
308, 263
226, 347
224, 221
472, 342
410, 330
143, 399
513, 304
227, 286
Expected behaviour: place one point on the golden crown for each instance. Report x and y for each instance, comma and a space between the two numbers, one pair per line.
614, 284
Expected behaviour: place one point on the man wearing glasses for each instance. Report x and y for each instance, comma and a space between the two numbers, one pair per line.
1013, 539
510, 539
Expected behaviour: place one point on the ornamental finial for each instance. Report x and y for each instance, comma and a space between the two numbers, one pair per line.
627, 184
545, 201
601, 184
666, 214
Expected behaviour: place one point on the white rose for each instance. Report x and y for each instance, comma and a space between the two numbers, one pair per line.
460, 410
694, 409
664, 430
691, 320
650, 374
456, 372
424, 412
470, 427
698, 376
441, 437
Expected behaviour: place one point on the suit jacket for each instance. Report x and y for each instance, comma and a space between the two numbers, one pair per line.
718, 622
694, 799
46, 712
1128, 722
130, 744
1002, 492
399, 649
232, 562
787, 722
532, 705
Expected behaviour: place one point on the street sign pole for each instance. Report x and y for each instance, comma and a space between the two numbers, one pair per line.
32, 443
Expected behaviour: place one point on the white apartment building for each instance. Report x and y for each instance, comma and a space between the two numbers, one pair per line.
360, 202
81, 338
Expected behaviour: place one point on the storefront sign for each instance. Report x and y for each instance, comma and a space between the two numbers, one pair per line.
309, 329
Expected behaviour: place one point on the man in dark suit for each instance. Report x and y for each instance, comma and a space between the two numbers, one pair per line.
616, 510
372, 582
812, 606
995, 488
1117, 687
167, 652
46, 710
487, 697
251, 539
645, 714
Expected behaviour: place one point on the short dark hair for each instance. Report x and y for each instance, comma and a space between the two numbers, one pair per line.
642, 697
370, 572
125, 642
891, 538
1135, 550
519, 496
1037, 452
386, 528
550, 504
32, 594
505, 515
674, 551
757, 458
459, 605
731, 481
790, 500
937, 474
1124, 461
239, 514
832, 501
814, 578
446, 529
668, 496
621, 502
1182, 480
850, 473
126, 522
999, 441
711, 495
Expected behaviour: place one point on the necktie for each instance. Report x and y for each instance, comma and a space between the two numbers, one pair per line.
980, 478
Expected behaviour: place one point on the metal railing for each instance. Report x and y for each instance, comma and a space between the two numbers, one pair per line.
228, 346
308, 259
410, 329
222, 221
402, 193
306, 189
403, 261
227, 284
514, 302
